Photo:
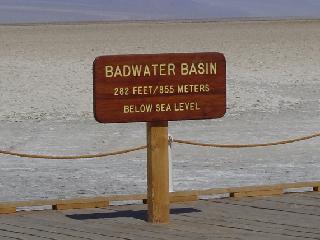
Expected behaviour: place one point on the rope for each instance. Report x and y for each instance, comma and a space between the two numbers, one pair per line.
248, 145
99, 155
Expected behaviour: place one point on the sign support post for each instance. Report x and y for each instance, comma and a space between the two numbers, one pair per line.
158, 172
170, 142
157, 88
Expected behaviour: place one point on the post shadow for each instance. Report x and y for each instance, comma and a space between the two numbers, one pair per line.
138, 214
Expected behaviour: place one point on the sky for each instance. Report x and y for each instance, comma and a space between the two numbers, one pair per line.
33, 11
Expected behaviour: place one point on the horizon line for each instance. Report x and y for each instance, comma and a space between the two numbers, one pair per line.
200, 20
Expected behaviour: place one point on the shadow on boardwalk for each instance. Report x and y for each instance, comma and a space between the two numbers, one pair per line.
138, 214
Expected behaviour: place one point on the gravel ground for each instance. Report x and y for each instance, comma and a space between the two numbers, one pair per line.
273, 78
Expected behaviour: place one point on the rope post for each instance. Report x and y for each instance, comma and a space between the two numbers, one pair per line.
170, 142
158, 172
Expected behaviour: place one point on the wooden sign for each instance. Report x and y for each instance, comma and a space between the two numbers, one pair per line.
159, 87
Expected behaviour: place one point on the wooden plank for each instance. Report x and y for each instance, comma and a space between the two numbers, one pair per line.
80, 205
315, 196
36, 232
211, 230
151, 231
28, 203
277, 206
258, 218
257, 193
118, 227
229, 208
127, 197
296, 199
213, 191
3, 237
7, 210
64, 222
216, 220
50, 202
254, 218
14, 235
48, 224
226, 225
241, 229
82, 200
179, 198
255, 188
211, 221
158, 172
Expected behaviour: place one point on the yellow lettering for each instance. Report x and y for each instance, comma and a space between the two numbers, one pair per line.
162, 69
193, 69
155, 66
137, 108
117, 72
109, 71
136, 70
201, 68
147, 90
193, 88
171, 69
213, 68
126, 70
180, 89
125, 109
196, 88
146, 71
184, 69
163, 107
186, 106
148, 107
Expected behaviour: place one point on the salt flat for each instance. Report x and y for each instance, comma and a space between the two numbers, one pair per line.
273, 81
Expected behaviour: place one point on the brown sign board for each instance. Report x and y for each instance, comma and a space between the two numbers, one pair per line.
159, 87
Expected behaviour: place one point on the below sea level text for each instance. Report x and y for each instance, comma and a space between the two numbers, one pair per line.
161, 107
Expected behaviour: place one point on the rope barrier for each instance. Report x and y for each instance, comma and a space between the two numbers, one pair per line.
248, 145
98, 155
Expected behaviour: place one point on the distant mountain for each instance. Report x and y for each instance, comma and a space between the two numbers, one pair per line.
13, 11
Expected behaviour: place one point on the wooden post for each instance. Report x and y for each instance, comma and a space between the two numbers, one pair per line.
170, 141
158, 172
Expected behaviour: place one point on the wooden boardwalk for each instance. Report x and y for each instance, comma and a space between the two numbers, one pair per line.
288, 216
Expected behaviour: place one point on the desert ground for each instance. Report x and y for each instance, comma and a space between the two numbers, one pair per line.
273, 93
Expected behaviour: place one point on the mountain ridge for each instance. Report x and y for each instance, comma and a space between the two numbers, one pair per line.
19, 11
